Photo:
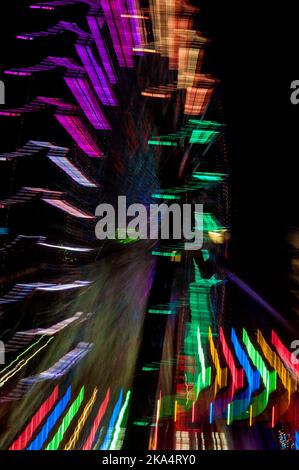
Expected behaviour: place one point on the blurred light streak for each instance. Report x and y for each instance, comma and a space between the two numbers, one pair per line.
285, 354
73, 410
95, 25
23, 439
269, 378
113, 419
22, 363
221, 373
86, 98
82, 420
96, 75
69, 168
68, 208
158, 410
95, 426
237, 375
75, 127
42, 436
286, 378
115, 444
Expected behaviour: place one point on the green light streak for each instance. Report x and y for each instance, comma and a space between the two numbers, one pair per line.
202, 137
54, 443
208, 177
205, 124
165, 253
161, 312
162, 142
165, 196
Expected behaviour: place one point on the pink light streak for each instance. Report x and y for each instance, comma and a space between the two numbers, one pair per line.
21, 442
237, 374
68, 208
74, 126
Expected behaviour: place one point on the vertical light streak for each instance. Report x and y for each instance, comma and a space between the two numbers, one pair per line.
175, 410
157, 422
211, 417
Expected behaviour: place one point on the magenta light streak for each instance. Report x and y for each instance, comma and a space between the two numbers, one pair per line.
95, 28
40, 7
14, 72
26, 38
79, 133
87, 100
123, 25
136, 26
8, 113
96, 75
114, 28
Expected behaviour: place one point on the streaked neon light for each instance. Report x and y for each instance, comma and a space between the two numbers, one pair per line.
160, 311
236, 374
22, 364
42, 436
114, 444
95, 28
115, 413
286, 378
175, 410
208, 177
74, 126
95, 426
165, 196
221, 373
68, 208
82, 420
211, 416
269, 378
69, 168
96, 75
202, 137
166, 143
155, 443
21, 442
55, 442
